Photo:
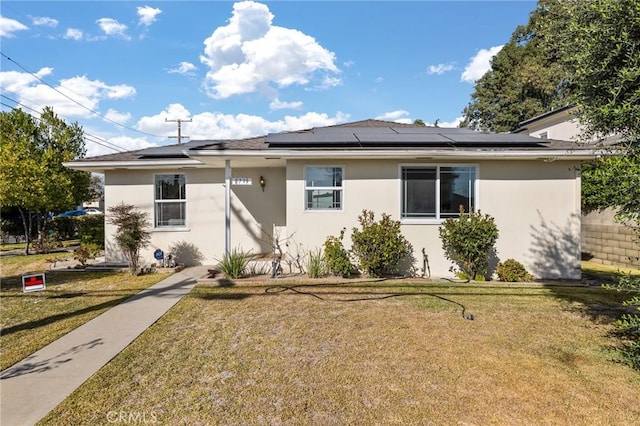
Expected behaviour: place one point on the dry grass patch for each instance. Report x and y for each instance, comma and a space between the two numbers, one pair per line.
30, 321
241, 355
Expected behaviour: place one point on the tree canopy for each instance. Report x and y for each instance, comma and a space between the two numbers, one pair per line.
525, 80
32, 175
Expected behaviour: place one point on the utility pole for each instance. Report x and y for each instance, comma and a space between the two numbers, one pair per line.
179, 121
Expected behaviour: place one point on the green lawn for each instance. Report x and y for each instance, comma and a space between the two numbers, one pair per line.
30, 321
370, 354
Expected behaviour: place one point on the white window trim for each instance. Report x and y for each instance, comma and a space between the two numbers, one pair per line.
155, 201
341, 188
437, 220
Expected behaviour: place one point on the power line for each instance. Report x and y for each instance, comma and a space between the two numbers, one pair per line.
76, 102
87, 136
101, 141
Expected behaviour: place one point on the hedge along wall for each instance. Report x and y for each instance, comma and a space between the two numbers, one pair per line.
606, 241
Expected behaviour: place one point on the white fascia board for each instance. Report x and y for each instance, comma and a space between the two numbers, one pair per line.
577, 154
135, 164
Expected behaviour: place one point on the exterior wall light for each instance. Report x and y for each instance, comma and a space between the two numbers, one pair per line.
262, 183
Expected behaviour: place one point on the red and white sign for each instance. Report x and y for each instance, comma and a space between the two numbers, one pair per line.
33, 282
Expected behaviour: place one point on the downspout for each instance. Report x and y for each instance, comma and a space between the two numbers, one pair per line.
227, 207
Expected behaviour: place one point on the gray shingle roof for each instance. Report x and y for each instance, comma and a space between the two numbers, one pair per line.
365, 134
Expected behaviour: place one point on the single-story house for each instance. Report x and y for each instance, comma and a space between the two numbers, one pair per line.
303, 186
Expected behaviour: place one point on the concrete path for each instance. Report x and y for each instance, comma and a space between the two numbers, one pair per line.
30, 389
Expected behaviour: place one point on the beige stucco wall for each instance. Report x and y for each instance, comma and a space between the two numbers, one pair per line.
536, 205
203, 239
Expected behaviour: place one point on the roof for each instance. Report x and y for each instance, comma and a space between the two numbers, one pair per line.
360, 138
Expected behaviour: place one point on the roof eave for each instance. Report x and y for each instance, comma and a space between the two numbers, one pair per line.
101, 166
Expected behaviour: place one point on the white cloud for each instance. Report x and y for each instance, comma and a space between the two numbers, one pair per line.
396, 116
111, 27
216, 125
349, 63
44, 21
278, 104
9, 26
86, 93
118, 117
250, 53
480, 64
185, 68
125, 142
148, 15
440, 68
379, 79
73, 34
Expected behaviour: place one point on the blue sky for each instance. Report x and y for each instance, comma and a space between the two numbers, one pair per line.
239, 69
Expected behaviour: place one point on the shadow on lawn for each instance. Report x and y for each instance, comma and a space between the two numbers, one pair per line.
30, 325
601, 305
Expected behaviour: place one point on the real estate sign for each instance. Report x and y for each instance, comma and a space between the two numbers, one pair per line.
33, 282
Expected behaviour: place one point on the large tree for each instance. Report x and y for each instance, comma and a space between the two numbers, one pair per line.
32, 176
600, 42
526, 79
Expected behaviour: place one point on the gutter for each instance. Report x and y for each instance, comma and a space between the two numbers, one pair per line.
578, 154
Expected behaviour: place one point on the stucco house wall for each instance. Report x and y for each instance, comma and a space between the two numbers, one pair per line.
254, 213
536, 205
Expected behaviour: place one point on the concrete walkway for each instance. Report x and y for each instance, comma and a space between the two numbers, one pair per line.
30, 389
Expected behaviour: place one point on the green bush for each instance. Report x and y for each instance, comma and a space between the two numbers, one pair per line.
234, 264
64, 227
337, 257
379, 246
512, 271
91, 229
316, 264
469, 240
629, 324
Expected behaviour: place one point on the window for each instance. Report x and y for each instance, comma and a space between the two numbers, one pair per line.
436, 192
323, 188
170, 201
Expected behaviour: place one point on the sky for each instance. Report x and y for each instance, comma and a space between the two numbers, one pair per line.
127, 71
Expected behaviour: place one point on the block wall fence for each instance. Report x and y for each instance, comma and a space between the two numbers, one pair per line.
607, 242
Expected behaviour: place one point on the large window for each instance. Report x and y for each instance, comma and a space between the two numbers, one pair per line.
170, 201
323, 188
437, 192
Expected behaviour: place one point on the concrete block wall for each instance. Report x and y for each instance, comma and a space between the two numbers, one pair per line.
608, 242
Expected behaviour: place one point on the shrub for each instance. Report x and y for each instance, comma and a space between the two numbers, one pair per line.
629, 324
379, 246
336, 256
316, 264
234, 263
91, 229
468, 241
512, 271
64, 227
86, 252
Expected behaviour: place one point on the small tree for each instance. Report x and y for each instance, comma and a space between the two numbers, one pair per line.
131, 234
468, 241
379, 246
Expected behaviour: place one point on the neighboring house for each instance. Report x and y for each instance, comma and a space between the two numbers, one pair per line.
207, 195
603, 239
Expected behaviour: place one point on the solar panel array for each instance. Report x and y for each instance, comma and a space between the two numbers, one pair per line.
397, 136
